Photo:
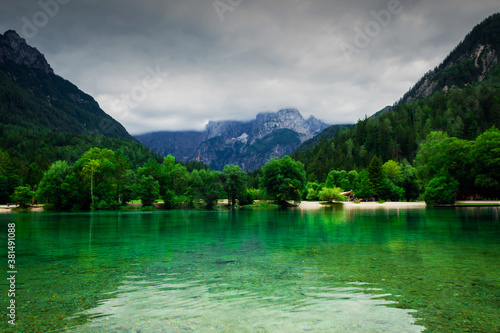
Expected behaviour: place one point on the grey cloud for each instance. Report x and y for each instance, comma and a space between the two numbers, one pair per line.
263, 56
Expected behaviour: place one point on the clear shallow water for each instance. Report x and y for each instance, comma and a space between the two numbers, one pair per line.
258, 271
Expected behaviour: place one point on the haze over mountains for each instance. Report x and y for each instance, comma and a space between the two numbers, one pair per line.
246, 144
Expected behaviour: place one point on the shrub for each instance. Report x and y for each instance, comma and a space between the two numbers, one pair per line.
441, 190
246, 198
330, 194
169, 199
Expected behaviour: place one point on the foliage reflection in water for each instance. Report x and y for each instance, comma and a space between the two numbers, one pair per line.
257, 271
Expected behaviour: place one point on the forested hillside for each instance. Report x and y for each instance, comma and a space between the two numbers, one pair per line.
45, 118
397, 135
463, 105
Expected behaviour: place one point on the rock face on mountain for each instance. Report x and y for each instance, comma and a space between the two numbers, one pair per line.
470, 62
14, 48
247, 144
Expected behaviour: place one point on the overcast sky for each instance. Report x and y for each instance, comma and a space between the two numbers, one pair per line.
173, 65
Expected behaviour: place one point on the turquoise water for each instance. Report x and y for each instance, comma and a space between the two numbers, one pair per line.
331, 270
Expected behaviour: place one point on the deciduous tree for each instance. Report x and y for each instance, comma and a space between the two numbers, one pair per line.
284, 179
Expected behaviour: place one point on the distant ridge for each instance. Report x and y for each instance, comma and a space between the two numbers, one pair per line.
246, 144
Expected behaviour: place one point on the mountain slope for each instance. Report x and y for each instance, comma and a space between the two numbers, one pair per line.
32, 94
326, 134
44, 118
462, 105
469, 63
247, 144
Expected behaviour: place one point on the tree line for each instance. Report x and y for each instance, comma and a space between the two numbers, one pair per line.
444, 169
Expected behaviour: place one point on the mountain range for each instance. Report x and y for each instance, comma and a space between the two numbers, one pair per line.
247, 144
44, 118
469, 63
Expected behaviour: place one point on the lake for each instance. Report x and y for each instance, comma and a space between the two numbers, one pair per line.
329, 270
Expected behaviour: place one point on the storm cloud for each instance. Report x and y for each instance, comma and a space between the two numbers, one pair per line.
173, 65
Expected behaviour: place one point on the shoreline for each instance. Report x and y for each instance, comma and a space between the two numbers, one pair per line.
316, 205
313, 205
4, 209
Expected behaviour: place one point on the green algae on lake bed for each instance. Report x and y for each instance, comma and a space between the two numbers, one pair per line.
322, 271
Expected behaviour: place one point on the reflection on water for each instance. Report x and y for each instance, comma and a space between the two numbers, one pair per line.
250, 289
259, 271
173, 306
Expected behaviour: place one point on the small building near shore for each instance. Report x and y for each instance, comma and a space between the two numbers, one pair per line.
349, 195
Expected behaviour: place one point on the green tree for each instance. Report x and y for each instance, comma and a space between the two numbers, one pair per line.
391, 185
62, 186
4, 189
174, 181
440, 152
74, 192
129, 186
283, 179
375, 176
34, 175
148, 190
206, 185
5, 162
312, 189
90, 168
23, 196
102, 172
410, 182
392, 171
49, 189
437, 152
246, 198
363, 189
352, 176
122, 178
389, 190
442, 189
340, 178
96, 170
485, 154
234, 182
150, 168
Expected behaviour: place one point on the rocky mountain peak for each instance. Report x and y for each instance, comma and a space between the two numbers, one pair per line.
315, 125
289, 119
225, 128
289, 113
15, 48
248, 144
